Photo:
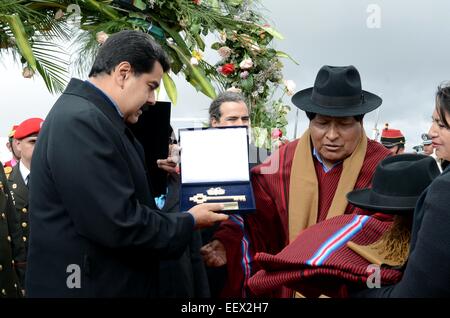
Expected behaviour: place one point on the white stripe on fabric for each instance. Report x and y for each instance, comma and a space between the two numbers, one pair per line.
338, 239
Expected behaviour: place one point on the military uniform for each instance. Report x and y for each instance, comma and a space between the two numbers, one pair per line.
11, 246
19, 192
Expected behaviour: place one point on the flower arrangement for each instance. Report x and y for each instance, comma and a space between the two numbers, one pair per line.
246, 60
249, 65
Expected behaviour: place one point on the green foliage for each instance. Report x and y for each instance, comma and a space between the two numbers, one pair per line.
246, 62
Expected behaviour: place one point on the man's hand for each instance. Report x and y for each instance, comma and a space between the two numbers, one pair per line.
205, 216
214, 254
168, 165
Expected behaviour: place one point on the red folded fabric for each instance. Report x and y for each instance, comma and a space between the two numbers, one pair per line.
319, 260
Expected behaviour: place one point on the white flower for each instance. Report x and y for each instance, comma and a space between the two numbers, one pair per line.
255, 48
246, 64
234, 90
222, 36
101, 37
290, 87
194, 61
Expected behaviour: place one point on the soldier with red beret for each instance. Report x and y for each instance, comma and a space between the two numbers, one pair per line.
393, 140
26, 135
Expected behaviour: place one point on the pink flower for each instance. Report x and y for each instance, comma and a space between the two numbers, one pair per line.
59, 14
246, 64
227, 69
277, 133
244, 74
197, 2
224, 52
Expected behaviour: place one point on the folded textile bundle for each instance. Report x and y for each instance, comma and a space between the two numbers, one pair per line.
319, 261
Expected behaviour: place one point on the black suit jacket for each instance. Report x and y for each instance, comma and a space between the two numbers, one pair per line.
94, 228
184, 277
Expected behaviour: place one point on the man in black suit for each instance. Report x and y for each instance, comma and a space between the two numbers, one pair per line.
94, 228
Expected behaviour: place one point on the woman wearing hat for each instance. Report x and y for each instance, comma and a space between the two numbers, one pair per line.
427, 272
335, 255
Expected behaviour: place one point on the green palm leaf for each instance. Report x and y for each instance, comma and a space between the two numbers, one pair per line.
21, 38
51, 63
170, 87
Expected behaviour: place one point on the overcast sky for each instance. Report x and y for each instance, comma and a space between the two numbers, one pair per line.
400, 47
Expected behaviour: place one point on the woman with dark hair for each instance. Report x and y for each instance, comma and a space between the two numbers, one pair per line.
427, 272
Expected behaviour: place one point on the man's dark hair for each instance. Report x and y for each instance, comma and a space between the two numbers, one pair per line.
214, 108
134, 47
311, 116
443, 102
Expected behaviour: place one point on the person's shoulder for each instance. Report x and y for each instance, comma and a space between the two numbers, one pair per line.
439, 189
443, 179
12, 172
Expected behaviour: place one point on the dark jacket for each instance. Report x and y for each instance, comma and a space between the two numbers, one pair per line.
20, 195
184, 277
12, 250
427, 272
94, 228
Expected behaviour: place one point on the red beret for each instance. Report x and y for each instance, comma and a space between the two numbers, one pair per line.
13, 131
28, 127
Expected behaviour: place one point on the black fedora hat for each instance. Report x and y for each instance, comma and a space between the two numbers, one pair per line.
397, 184
337, 92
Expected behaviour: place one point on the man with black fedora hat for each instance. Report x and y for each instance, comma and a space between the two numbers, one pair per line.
322, 259
311, 176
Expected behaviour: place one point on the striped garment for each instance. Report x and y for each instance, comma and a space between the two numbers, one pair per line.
337, 240
267, 229
319, 258
245, 262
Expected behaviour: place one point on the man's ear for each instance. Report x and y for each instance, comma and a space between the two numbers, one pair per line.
214, 122
122, 72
